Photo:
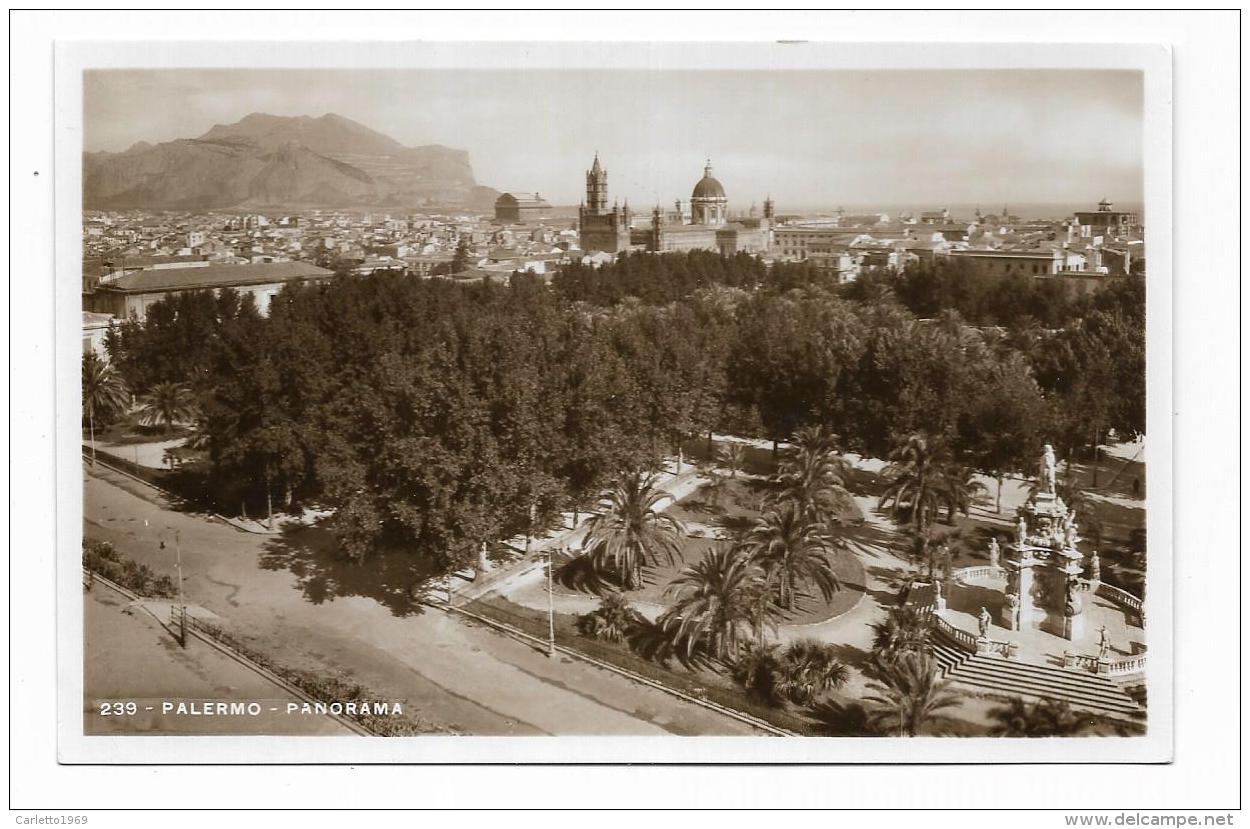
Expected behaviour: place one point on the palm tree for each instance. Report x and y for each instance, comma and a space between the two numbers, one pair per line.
732, 455
103, 392
960, 489
916, 480
910, 696
813, 475
165, 405
1044, 718
613, 621
800, 672
758, 670
632, 533
905, 630
790, 551
809, 668
717, 603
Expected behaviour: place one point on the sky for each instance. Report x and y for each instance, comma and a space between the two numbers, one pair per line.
923, 138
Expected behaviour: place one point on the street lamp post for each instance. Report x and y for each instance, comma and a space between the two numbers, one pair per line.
551, 609
182, 602
529, 531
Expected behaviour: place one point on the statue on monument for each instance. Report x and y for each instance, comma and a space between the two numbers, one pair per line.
984, 623
1104, 643
1095, 567
1048, 469
1022, 530
994, 551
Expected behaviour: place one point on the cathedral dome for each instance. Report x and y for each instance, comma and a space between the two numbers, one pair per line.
708, 187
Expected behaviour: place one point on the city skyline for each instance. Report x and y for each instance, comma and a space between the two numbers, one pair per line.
823, 138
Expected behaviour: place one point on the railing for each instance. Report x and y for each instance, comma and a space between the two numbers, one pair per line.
961, 637
1119, 596
1007, 650
1124, 667
1077, 661
978, 572
1132, 665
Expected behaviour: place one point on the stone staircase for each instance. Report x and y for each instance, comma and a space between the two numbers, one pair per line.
1079, 689
948, 657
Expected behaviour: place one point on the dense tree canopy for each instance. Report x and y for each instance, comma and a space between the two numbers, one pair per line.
441, 415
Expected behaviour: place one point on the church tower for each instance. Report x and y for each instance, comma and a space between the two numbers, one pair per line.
599, 227
597, 187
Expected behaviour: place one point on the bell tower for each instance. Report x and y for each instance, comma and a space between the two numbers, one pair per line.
596, 188
602, 228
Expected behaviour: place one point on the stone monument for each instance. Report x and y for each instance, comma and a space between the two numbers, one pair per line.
1043, 564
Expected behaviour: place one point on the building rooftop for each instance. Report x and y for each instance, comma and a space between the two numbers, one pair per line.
215, 276
522, 199
92, 319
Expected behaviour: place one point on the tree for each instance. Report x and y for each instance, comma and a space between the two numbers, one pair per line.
905, 630
732, 456
460, 259
166, 405
1042, 718
813, 476
758, 670
718, 602
910, 696
799, 673
614, 620
632, 532
810, 668
103, 392
1000, 427
790, 356
960, 489
791, 551
917, 482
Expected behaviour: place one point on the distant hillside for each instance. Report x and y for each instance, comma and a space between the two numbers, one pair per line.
269, 160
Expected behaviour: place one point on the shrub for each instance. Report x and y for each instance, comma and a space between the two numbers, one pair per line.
615, 620
800, 672
809, 669
102, 558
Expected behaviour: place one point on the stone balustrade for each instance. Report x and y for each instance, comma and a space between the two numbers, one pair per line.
1007, 650
1121, 597
1132, 665
963, 638
1080, 662
983, 571
1105, 667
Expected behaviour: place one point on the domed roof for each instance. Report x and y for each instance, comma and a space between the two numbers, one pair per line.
708, 187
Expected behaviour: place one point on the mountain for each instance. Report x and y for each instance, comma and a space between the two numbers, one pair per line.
275, 161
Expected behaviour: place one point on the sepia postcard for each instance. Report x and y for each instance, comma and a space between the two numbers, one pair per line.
685, 402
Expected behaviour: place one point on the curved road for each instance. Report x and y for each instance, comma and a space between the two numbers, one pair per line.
463, 678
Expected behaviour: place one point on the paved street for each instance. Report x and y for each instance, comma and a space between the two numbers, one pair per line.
132, 658
460, 676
